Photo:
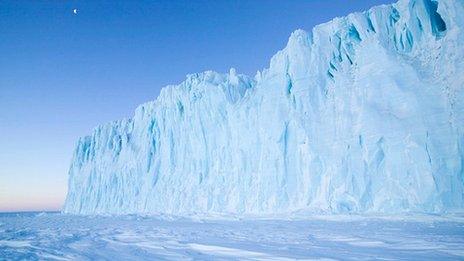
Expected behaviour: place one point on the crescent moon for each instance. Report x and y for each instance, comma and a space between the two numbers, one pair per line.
75, 11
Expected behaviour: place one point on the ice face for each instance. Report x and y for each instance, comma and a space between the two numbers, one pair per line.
365, 114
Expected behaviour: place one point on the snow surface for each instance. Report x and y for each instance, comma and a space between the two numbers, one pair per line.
363, 114
71, 237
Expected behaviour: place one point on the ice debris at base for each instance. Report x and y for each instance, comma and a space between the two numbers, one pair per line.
364, 114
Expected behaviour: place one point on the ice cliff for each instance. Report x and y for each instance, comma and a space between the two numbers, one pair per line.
363, 114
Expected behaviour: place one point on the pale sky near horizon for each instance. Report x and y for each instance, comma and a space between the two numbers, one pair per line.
64, 72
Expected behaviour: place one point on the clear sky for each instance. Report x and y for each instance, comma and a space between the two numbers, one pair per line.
61, 73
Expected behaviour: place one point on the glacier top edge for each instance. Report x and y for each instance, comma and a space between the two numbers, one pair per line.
362, 23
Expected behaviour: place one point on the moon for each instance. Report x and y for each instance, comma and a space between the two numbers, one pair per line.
75, 11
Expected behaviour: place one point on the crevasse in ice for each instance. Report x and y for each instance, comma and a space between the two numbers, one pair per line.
363, 114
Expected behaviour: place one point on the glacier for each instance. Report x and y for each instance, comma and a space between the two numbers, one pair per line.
364, 114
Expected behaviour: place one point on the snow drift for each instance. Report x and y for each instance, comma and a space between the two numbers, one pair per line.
364, 114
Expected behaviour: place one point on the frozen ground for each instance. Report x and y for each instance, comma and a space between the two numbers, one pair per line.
61, 237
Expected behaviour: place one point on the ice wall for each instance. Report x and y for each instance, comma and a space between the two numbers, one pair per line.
364, 114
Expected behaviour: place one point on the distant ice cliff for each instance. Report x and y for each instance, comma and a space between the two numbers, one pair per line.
363, 114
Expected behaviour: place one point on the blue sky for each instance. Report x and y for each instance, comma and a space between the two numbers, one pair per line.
61, 74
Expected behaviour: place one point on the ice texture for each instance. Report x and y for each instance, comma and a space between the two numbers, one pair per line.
364, 114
